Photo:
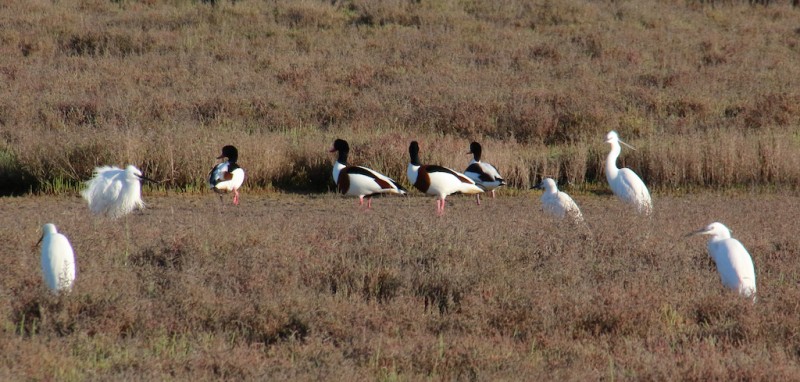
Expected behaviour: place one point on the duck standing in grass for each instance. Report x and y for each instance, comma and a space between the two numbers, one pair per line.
558, 203
438, 181
227, 176
482, 173
360, 181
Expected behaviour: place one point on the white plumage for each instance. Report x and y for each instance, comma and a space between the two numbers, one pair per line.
58, 260
482, 173
557, 203
437, 181
625, 184
227, 176
734, 264
358, 180
114, 192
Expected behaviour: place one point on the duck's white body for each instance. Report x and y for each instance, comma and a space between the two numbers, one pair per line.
624, 183
482, 173
438, 181
558, 203
58, 260
227, 176
734, 264
358, 180
114, 192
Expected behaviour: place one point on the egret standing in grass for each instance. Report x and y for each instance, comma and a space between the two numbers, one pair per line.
114, 192
482, 173
58, 260
360, 181
227, 176
558, 203
437, 181
625, 184
734, 264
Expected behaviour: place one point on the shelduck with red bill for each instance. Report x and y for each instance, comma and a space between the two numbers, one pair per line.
358, 180
436, 180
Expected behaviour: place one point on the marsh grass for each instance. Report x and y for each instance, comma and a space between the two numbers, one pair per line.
707, 91
304, 287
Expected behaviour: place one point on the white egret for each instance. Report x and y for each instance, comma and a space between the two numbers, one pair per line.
58, 260
114, 192
437, 181
625, 184
227, 176
360, 181
558, 203
482, 173
734, 264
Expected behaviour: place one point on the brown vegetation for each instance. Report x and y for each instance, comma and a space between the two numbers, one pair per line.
707, 90
303, 288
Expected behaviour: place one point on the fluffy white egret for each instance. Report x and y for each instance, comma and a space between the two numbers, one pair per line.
227, 176
58, 260
558, 203
114, 192
625, 184
360, 181
437, 181
734, 264
482, 173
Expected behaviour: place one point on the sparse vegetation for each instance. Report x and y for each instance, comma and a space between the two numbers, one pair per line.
300, 287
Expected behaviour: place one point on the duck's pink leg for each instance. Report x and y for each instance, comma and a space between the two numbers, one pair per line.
492, 194
478, 198
236, 197
369, 203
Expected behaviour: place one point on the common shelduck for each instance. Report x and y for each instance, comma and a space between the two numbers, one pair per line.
358, 180
227, 176
58, 260
625, 184
482, 173
734, 264
114, 192
558, 203
438, 181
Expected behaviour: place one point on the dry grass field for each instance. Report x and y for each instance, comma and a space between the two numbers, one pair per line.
708, 91
311, 287
298, 284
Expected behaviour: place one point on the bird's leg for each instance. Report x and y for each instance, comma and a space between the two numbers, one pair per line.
492, 194
236, 197
440, 207
478, 198
360, 201
369, 203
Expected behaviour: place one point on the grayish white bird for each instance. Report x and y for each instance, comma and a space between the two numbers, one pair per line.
734, 264
625, 184
558, 203
114, 192
58, 260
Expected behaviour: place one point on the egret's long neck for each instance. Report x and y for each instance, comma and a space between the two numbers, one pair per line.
551, 191
611, 161
338, 166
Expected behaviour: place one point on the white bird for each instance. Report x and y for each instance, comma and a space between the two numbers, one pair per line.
734, 264
114, 192
558, 203
58, 260
482, 173
625, 184
437, 181
360, 181
227, 176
